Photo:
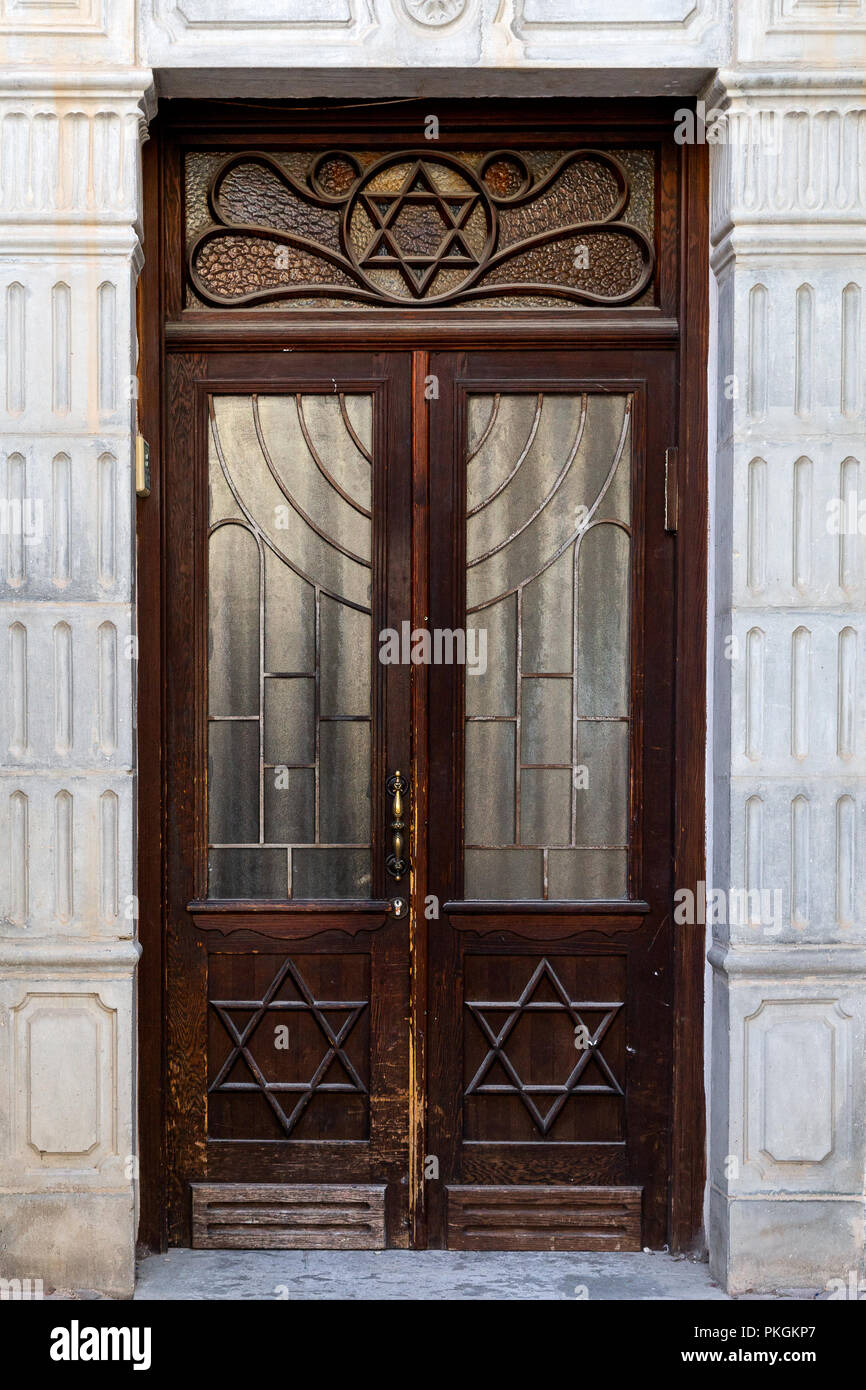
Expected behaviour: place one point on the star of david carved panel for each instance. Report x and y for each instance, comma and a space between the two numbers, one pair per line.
419, 230
293, 1045
421, 227
574, 1060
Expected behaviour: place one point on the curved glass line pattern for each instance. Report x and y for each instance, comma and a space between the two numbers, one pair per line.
500, 487
557, 483
482, 438
548, 722
350, 428
319, 462
289, 646
293, 502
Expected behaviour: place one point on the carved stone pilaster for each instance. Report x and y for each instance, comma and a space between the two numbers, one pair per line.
70, 220
788, 1140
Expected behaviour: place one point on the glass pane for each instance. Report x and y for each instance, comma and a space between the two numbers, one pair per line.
505, 873
601, 798
233, 626
548, 617
345, 660
545, 735
331, 873
290, 646
490, 773
545, 806
602, 622
548, 539
493, 690
587, 873
344, 782
290, 805
290, 720
247, 873
233, 781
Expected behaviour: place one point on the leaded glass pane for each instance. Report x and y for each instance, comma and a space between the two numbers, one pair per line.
289, 644
548, 492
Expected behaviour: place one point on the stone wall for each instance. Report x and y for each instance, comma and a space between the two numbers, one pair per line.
787, 1098
70, 127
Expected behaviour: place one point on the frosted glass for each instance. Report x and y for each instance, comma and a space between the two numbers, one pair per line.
548, 573
289, 645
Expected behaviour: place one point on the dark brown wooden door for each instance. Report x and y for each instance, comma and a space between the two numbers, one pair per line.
289, 505
550, 804
453, 566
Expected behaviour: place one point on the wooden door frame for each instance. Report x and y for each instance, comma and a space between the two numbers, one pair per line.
681, 318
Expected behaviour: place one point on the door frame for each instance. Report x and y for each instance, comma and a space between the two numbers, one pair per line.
680, 318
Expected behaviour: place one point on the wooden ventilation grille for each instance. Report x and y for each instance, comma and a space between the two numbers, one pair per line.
287, 1216
420, 228
544, 1218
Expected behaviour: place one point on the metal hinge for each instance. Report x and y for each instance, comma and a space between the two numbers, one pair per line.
142, 466
672, 497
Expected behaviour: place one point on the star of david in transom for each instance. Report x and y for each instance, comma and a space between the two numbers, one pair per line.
418, 210
241, 1036
515, 1009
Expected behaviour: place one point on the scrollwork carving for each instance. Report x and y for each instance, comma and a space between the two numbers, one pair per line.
418, 228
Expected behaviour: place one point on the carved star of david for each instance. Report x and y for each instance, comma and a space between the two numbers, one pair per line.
515, 1009
242, 1035
384, 250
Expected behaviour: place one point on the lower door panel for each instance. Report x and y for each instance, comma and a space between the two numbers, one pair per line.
304, 1144
288, 1216
544, 1218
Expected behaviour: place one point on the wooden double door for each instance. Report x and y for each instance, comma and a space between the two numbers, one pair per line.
419, 797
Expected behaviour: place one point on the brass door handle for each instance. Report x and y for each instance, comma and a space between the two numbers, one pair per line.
397, 787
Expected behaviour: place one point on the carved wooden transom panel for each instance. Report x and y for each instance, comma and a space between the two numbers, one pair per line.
420, 228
